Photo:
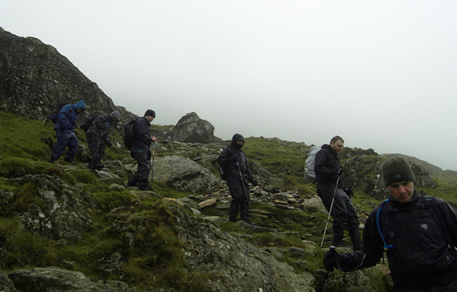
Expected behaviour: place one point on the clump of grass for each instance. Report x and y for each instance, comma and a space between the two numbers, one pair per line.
84, 176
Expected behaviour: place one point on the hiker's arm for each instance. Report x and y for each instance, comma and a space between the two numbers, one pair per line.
142, 131
372, 249
63, 121
450, 215
224, 157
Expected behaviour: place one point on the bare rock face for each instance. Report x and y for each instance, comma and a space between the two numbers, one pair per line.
36, 78
191, 129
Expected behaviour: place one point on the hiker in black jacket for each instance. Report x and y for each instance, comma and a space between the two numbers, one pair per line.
140, 151
98, 136
328, 173
235, 165
419, 234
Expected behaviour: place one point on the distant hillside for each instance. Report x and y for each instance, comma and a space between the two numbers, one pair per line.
449, 176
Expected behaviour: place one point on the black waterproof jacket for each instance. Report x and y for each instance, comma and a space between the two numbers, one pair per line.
419, 255
142, 139
230, 156
100, 126
326, 165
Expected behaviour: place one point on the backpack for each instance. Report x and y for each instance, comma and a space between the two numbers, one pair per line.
310, 175
55, 114
129, 134
86, 125
429, 203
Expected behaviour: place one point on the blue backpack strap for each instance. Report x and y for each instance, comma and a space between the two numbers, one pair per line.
386, 246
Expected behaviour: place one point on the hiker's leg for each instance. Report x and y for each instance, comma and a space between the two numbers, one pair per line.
353, 225
236, 194
339, 214
72, 147
59, 147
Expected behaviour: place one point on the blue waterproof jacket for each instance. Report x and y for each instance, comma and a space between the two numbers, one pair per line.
68, 115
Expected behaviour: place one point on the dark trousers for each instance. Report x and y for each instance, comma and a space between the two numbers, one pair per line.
65, 138
343, 213
96, 148
141, 177
240, 199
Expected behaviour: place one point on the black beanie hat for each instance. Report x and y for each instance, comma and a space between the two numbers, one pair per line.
396, 169
150, 113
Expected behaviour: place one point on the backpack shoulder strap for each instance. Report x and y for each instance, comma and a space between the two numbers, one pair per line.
380, 218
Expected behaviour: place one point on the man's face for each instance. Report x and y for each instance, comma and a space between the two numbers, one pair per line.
239, 142
149, 118
401, 191
337, 146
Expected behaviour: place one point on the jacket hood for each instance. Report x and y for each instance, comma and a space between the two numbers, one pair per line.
80, 104
235, 138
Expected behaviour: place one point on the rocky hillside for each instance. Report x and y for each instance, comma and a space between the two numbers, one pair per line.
66, 228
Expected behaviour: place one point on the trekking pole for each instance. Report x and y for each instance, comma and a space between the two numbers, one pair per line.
242, 182
332, 250
330, 211
152, 163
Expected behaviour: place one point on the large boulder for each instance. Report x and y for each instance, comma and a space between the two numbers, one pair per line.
184, 174
191, 129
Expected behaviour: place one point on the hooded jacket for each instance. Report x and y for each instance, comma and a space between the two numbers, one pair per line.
68, 116
232, 155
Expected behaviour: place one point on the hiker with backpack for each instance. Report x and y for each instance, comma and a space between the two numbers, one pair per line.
139, 150
65, 123
333, 195
234, 164
418, 233
97, 134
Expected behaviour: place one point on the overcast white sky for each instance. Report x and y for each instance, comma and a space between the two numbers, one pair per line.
381, 74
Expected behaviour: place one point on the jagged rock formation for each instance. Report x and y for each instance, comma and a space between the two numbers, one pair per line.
36, 78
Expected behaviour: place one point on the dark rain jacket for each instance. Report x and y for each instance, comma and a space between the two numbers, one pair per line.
100, 126
419, 256
326, 166
228, 161
142, 139
68, 116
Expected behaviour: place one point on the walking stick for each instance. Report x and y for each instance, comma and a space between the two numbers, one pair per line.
242, 182
330, 211
152, 163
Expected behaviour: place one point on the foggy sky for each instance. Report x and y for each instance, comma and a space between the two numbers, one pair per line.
381, 74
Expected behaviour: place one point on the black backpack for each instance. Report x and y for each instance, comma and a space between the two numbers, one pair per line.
222, 172
55, 114
86, 125
129, 134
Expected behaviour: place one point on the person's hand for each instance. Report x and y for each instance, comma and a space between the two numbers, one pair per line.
348, 192
253, 182
109, 144
153, 138
330, 260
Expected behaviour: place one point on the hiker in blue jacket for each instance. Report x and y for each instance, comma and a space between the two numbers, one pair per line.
98, 136
140, 151
235, 165
330, 188
418, 233
65, 131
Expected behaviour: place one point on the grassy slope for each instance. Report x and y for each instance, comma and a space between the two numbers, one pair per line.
26, 147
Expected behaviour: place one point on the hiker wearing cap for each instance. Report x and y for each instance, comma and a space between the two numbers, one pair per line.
419, 234
98, 137
65, 131
330, 189
140, 150
235, 165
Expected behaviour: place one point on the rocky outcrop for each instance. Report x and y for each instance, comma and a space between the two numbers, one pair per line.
36, 78
52, 279
191, 129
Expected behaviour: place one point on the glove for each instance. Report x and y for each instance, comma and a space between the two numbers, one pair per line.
109, 144
253, 182
330, 260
